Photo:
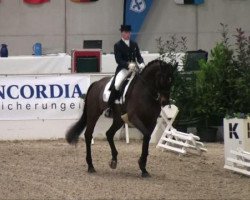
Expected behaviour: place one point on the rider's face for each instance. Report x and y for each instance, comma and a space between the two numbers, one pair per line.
126, 35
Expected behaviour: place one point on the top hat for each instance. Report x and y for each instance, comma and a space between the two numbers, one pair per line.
125, 28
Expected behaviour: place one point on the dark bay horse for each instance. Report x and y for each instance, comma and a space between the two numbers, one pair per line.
148, 91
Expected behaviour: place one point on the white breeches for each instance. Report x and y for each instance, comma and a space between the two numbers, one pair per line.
120, 77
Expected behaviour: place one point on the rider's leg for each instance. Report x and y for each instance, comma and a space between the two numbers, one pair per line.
120, 77
113, 96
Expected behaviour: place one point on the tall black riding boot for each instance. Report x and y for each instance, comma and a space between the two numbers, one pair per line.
113, 96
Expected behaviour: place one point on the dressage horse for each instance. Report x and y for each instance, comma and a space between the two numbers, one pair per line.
148, 91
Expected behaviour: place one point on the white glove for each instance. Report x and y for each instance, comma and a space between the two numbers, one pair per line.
142, 65
131, 66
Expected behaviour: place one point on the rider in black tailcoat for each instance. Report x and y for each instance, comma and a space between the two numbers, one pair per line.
127, 53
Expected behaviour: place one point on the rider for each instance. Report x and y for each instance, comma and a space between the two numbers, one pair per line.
127, 53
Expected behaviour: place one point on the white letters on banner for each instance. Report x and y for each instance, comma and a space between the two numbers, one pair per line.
42, 97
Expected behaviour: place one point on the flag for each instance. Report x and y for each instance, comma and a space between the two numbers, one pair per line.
35, 1
83, 1
189, 1
134, 14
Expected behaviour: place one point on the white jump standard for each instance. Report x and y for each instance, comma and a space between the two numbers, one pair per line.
174, 140
241, 163
237, 145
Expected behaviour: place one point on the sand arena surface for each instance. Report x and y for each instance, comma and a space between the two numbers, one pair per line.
56, 170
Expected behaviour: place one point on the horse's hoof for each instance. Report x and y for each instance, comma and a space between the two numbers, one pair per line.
145, 175
113, 164
91, 170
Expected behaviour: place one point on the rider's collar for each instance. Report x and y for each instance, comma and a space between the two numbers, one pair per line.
126, 42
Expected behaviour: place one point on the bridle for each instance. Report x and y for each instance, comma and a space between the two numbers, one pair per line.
154, 93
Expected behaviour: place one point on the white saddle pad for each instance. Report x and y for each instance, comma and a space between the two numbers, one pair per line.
106, 92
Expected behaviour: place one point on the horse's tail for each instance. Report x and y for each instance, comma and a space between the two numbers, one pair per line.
72, 135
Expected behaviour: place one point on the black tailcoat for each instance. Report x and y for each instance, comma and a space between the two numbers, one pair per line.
125, 54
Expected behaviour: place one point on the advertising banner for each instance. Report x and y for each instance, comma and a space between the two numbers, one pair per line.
42, 97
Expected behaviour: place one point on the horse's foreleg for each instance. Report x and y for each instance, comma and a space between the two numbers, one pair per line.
143, 159
146, 131
116, 125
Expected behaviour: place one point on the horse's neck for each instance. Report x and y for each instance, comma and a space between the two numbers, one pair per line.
149, 75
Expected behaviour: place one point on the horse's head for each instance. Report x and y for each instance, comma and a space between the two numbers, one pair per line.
164, 80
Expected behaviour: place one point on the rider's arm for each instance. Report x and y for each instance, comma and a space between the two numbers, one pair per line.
138, 54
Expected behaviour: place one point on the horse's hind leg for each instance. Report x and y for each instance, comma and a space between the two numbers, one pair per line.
116, 125
88, 138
